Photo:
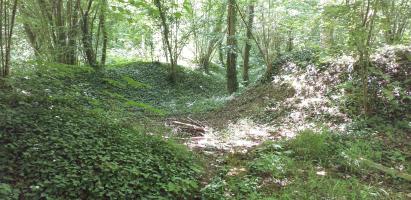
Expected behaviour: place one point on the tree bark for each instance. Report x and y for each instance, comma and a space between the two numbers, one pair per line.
87, 38
72, 34
290, 42
104, 32
247, 48
232, 83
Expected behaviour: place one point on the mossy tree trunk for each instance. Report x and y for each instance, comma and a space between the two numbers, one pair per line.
247, 48
232, 83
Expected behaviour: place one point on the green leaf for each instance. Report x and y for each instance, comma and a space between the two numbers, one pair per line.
144, 106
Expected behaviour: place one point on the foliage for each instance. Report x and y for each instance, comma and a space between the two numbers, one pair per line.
54, 145
193, 92
388, 88
276, 165
315, 187
311, 146
68, 131
244, 187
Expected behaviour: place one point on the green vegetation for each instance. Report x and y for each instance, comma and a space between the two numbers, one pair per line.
210, 99
57, 141
311, 166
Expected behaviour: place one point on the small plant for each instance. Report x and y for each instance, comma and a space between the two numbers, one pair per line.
215, 190
275, 165
309, 145
317, 187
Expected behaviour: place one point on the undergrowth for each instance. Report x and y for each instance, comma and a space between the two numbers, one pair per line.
311, 166
61, 138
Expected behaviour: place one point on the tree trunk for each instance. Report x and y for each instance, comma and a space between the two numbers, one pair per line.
221, 54
364, 62
61, 33
232, 84
88, 39
7, 20
206, 58
104, 32
265, 54
71, 57
247, 47
166, 37
290, 42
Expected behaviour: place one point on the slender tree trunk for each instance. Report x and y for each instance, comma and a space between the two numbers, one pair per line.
221, 53
6, 32
247, 47
72, 33
87, 38
363, 46
104, 32
365, 65
264, 54
61, 33
166, 35
232, 83
290, 42
206, 58
2, 43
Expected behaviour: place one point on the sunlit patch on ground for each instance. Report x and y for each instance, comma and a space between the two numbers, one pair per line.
315, 91
238, 136
310, 107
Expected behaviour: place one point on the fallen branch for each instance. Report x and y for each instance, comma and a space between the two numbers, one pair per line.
195, 122
387, 170
189, 127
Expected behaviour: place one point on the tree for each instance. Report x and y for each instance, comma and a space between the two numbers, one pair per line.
52, 28
208, 32
232, 83
267, 45
87, 37
247, 48
171, 16
364, 15
8, 10
60, 30
397, 14
166, 37
103, 29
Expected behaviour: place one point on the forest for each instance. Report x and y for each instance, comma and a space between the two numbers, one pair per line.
205, 99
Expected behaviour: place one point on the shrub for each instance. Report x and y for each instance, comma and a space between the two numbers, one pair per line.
275, 165
310, 146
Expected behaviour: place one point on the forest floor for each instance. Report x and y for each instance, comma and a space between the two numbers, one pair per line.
281, 140
288, 140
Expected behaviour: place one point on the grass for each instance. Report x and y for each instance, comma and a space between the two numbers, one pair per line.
310, 166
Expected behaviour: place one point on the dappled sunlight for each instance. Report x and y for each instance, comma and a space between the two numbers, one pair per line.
312, 102
205, 99
238, 136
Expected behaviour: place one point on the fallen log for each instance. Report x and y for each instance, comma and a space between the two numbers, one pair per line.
387, 170
189, 127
